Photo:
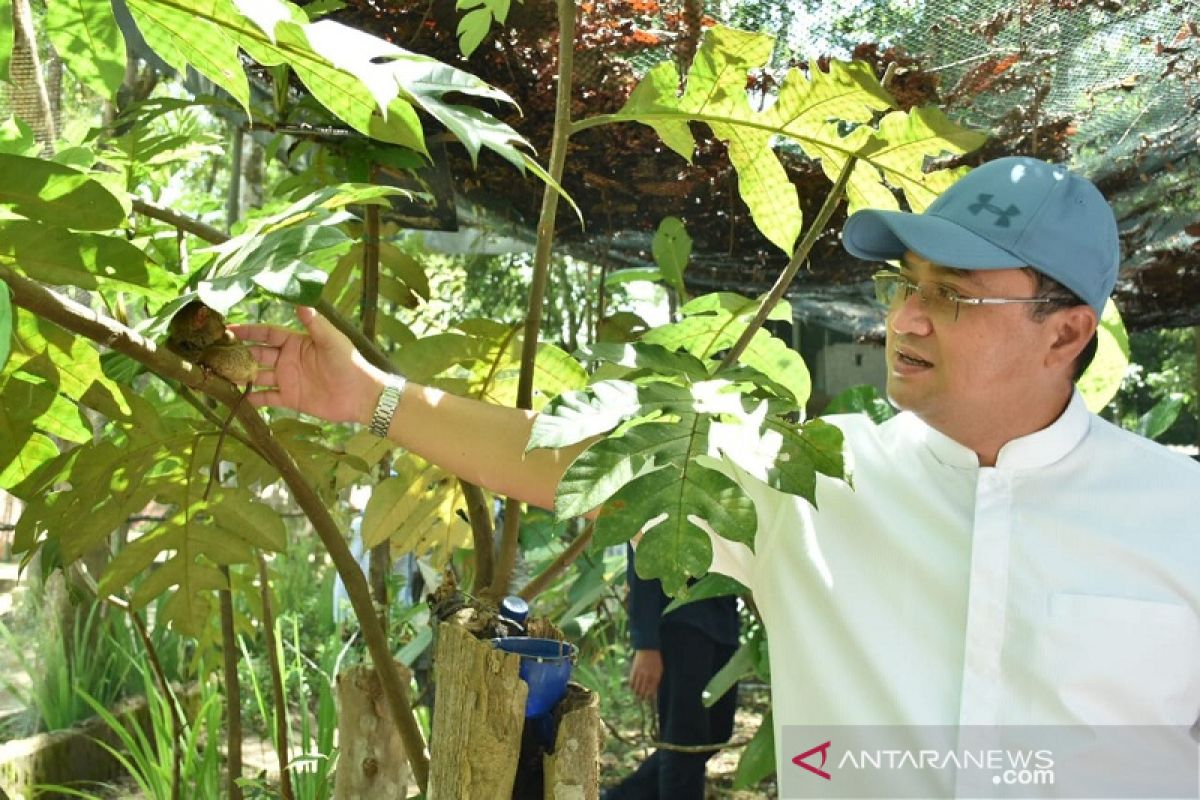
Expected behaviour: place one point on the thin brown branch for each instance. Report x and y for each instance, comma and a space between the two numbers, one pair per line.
541, 268
479, 513
233, 692
156, 669
815, 229
556, 567
83, 321
281, 727
201, 230
370, 351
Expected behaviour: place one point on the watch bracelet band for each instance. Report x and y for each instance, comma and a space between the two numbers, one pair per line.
385, 409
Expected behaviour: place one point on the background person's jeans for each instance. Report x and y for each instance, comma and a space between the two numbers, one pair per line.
690, 659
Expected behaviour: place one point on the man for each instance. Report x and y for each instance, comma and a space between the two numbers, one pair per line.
674, 657
1005, 557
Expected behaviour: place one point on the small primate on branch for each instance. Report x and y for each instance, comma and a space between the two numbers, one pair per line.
197, 334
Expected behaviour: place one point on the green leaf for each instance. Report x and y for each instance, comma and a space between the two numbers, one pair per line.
731, 303
6, 324
1155, 422
6, 38
88, 260
28, 388
35, 452
280, 261
758, 759
198, 35
715, 322
676, 547
620, 276
716, 94
737, 667
1100, 383
862, 399
671, 248
86, 36
72, 366
575, 416
714, 584
472, 29
50, 192
266, 14
646, 356
16, 137
237, 513
814, 110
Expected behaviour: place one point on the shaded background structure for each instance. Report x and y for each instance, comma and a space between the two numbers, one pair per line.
1108, 86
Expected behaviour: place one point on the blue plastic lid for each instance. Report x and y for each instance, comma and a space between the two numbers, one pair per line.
514, 608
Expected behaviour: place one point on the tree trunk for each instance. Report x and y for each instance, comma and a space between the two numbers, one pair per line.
372, 762
478, 716
572, 771
28, 97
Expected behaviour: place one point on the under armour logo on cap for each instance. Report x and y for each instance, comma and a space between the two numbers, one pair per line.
1003, 215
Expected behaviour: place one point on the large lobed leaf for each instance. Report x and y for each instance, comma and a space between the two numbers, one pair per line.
58, 194
86, 36
671, 424
417, 510
372, 85
813, 110
58, 256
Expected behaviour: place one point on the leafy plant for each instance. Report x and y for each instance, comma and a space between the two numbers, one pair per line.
315, 718
87, 656
148, 754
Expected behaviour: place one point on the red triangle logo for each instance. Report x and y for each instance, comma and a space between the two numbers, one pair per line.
823, 749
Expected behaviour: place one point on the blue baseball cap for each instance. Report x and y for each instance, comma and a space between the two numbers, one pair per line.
1011, 212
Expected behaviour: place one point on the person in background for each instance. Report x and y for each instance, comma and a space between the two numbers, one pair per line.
675, 655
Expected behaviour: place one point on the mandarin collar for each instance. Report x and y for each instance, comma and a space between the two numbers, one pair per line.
1038, 449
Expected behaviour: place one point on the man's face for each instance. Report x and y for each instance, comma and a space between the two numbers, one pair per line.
959, 375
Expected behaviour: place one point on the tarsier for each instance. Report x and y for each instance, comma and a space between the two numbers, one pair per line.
197, 334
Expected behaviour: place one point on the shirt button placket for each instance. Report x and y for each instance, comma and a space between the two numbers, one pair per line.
987, 604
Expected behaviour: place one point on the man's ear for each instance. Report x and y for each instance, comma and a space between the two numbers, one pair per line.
1071, 329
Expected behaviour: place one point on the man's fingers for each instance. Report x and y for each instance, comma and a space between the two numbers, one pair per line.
265, 377
260, 334
268, 397
265, 356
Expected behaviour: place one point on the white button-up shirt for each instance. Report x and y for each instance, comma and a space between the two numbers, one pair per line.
1061, 586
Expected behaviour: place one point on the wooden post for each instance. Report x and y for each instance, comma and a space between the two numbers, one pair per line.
478, 717
572, 771
372, 761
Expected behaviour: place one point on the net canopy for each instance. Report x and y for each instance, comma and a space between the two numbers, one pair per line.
1110, 87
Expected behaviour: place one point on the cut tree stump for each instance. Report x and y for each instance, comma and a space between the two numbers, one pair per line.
478, 716
572, 771
372, 761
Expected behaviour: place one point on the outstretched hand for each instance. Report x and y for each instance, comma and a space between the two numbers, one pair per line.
318, 372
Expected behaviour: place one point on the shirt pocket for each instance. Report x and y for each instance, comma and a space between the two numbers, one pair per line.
1117, 660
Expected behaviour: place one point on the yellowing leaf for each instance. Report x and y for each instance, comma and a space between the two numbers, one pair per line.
813, 110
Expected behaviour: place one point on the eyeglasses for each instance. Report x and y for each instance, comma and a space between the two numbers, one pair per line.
892, 289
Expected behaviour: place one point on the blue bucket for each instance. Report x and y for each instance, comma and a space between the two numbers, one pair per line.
545, 666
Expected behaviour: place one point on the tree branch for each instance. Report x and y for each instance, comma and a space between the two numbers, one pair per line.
201, 230
480, 516
541, 269
83, 321
556, 567
815, 229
